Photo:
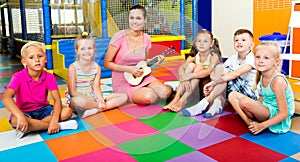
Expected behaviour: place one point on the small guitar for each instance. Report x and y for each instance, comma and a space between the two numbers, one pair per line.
146, 66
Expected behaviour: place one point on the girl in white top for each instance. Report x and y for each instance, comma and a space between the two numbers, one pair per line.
204, 55
237, 74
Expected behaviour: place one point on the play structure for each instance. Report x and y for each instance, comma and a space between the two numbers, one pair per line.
58, 22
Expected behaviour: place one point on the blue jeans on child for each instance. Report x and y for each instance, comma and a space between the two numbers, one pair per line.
38, 114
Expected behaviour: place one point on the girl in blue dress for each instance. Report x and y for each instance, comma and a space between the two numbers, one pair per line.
274, 108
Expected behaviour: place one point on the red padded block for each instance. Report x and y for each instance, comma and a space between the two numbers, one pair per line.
160, 47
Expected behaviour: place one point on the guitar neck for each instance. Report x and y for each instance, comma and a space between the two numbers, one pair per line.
155, 59
152, 61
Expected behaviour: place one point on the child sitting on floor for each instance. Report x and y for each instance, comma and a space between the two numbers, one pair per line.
31, 110
84, 94
276, 105
195, 72
236, 74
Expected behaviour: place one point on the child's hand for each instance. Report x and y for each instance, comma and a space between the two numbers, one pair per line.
101, 104
22, 124
208, 88
53, 127
256, 127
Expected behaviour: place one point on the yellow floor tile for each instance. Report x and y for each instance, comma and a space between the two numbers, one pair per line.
5, 126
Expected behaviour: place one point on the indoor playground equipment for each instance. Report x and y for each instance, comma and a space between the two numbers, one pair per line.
57, 22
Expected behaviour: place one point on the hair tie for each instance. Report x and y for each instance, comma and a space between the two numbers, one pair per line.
84, 34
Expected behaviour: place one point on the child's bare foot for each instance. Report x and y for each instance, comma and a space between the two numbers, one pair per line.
166, 107
178, 105
169, 106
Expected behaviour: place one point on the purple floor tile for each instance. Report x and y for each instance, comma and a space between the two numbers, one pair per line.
5, 84
201, 118
192, 157
199, 135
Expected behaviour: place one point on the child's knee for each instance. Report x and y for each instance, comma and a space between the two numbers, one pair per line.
122, 99
79, 102
66, 113
190, 67
231, 95
219, 68
168, 90
198, 67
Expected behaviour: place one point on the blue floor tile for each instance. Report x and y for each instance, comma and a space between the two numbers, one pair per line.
287, 144
82, 126
33, 152
1, 104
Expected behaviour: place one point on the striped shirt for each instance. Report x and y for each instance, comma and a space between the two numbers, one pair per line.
84, 82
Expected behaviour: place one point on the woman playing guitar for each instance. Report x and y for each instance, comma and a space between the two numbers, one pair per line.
126, 49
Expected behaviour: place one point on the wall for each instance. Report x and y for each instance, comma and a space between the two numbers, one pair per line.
227, 17
270, 16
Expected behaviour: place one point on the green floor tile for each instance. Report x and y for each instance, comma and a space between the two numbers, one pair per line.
168, 121
5, 80
159, 147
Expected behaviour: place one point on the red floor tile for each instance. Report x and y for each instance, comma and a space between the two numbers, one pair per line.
230, 123
238, 149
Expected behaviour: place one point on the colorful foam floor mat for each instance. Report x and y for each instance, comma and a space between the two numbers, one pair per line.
148, 133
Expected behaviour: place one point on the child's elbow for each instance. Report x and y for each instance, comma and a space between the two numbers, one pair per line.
106, 64
4, 101
284, 114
